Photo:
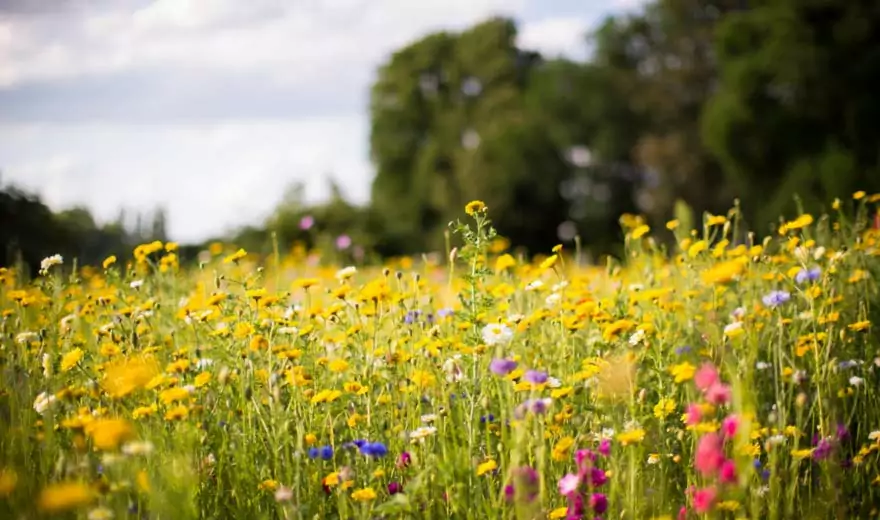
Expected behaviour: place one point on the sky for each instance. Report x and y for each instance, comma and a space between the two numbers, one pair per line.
211, 108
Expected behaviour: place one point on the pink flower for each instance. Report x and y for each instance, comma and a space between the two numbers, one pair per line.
605, 447
694, 414
568, 485
704, 499
729, 425
710, 454
718, 394
706, 376
683, 513
728, 472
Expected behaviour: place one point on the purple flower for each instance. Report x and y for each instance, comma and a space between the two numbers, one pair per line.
605, 447
808, 275
343, 242
525, 485
306, 222
404, 460
535, 406
394, 487
822, 450
598, 502
445, 312
776, 298
597, 477
502, 367
535, 377
412, 317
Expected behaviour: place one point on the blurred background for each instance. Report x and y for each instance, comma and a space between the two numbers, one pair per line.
363, 127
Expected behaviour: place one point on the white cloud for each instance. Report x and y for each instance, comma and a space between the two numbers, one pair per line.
242, 97
211, 177
563, 36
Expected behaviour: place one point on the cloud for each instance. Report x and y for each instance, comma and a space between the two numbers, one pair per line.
211, 177
211, 107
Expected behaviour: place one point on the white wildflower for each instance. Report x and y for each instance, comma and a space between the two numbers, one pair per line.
856, 381
137, 448
346, 273
533, 286
43, 402
497, 334
136, 284
48, 262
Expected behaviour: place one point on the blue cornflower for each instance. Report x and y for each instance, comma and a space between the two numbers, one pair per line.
776, 298
487, 418
412, 317
324, 452
808, 275
374, 449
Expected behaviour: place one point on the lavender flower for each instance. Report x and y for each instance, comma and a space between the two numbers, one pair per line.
776, 298
535, 377
808, 275
502, 367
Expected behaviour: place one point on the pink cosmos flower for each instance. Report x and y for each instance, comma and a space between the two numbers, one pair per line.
718, 394
694, 414
706, 376
568, 485
704, 499
727, 473
710, 454
730, 425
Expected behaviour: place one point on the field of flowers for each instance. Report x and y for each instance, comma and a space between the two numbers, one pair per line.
710, 379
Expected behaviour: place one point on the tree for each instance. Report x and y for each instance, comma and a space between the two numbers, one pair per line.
796, 110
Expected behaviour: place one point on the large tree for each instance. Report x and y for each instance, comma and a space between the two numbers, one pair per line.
797, 108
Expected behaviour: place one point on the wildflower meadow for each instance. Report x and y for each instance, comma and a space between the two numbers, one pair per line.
710, 373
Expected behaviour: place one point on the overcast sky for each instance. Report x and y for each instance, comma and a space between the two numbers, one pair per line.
212, 107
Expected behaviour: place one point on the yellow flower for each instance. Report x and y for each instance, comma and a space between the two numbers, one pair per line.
235, 257
143, 411
640, 231
859, 325
503, 262
697, 248
107, 434
177, 413
562, 448
64, 496
475, 206
859, 195
727, 505
683, 372
8, 480
202, 379
663, 408
110, 260
716, 220
799, 223
559, 512
268, 485
331, 479
486, 467
422, 378
364, 495
802, 454
123, 377
549, 262
338, 366
672, 225
305, 283
173, 394
631, 436
71, 359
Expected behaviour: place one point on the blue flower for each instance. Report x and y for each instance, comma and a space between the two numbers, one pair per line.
445, 312
776, 298
808, 275
683, 350
412, 317
487, 418
326, 452
374, 449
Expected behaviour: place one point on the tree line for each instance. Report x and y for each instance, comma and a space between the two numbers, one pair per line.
683, 107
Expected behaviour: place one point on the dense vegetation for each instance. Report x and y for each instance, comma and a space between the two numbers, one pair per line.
730, 381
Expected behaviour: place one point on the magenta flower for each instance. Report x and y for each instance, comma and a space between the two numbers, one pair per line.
727, 473
394, 487
694, 414
729, 426
404, 460
605, 447
598, 502
704, 499
306, 222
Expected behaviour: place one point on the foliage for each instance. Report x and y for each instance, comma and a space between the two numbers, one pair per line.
729, 379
